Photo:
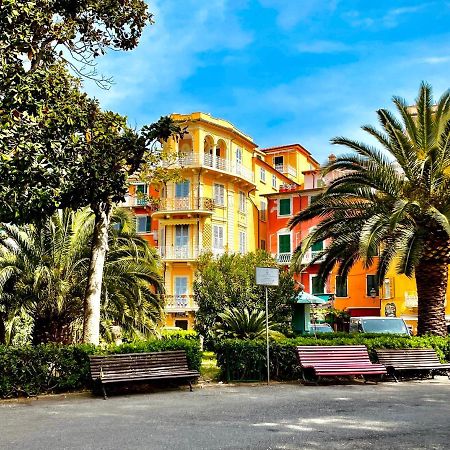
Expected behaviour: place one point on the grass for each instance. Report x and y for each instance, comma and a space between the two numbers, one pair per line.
209, 370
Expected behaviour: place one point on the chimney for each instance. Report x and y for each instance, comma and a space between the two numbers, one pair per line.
331, 158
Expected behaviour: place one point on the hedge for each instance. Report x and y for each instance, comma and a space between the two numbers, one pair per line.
32, 370
246, 360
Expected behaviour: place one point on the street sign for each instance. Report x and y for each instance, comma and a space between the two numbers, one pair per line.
267, 276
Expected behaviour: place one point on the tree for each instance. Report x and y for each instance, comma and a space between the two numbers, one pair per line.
229, 282
396, 199
43, 271
236, 323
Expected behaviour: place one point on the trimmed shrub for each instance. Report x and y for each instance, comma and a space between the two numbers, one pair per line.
246, 360
28, 370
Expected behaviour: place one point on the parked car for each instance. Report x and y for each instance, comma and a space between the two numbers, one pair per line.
394, 325
321, 328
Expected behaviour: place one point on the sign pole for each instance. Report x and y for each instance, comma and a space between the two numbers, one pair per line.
267, 336
267, 276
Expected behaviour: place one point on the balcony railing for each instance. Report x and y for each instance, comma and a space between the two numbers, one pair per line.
411, 299
178, 253
286, 168
186, 204
284, 258
180, 303
216, 162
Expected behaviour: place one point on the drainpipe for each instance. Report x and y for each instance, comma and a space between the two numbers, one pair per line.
257, 212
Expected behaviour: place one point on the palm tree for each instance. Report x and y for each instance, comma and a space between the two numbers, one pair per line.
43, 271
243, 324
395, 199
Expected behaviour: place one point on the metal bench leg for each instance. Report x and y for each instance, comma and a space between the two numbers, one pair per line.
105, 397
190, 386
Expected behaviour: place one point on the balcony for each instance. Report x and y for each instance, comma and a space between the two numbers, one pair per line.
284, 258
214, 162
186, 204
180, 303
132, 200
286, 169
173, 253
310, 255
411, 299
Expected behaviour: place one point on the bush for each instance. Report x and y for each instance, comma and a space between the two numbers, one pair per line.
49, 368
246, 360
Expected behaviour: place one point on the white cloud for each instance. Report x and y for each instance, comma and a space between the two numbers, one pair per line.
292, 12
169, 52
434, 59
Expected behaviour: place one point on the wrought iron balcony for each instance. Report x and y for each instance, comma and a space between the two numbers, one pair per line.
180, 303
190, 203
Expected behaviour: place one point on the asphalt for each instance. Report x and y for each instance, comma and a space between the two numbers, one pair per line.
408, 415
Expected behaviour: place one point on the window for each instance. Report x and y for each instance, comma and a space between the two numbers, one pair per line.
181, 235
182, 189
284, 207
317, 286
242, 241
238, 156
341, 286
217, 237
262, 174
141, 194
263, 211
219, 194
371, 286
274, 181
181, 292
284, 243
278, 163
263, 244
317, 247
242, 202
143, 224
312, 198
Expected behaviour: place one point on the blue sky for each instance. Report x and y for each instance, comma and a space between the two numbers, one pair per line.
282, 71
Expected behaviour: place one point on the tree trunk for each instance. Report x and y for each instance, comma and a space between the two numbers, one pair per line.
2, 328
431, 279
91, 324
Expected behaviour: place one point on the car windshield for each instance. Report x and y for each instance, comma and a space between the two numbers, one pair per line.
384, 326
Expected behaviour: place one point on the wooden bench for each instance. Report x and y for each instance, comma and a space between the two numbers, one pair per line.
411, 359
121, 368
334, 361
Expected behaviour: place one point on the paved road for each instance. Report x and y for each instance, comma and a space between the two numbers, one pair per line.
412, 415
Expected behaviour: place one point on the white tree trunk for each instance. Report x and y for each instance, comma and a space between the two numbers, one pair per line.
91, 324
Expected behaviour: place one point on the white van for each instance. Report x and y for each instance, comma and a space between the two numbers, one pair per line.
394, 325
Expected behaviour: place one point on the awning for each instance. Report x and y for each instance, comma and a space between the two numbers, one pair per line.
309, 299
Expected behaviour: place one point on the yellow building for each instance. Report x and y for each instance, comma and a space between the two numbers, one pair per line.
399, 298
216, 208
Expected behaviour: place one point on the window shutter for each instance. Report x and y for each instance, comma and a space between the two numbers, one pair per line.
148, 224
285, 207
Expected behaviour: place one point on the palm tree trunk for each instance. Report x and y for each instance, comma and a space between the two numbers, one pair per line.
2, 328
91, 325
431, 279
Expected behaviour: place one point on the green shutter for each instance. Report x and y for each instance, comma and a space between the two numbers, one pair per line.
341, 286
317, 247
285, 207
318, 286
284, 243
148, 224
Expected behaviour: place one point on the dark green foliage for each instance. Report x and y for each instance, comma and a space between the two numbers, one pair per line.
246, 360
229, 282
28, 371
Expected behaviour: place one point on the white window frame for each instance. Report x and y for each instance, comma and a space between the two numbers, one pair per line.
263, 209
183, 183
279, 207
242, 202
218, 237
138, 219
242, 242
311, 276
262, 174
188, 235
274, 181
239, 156
181, 299
219, 194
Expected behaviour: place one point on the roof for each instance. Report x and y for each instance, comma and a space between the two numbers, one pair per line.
299, 147
272, 169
